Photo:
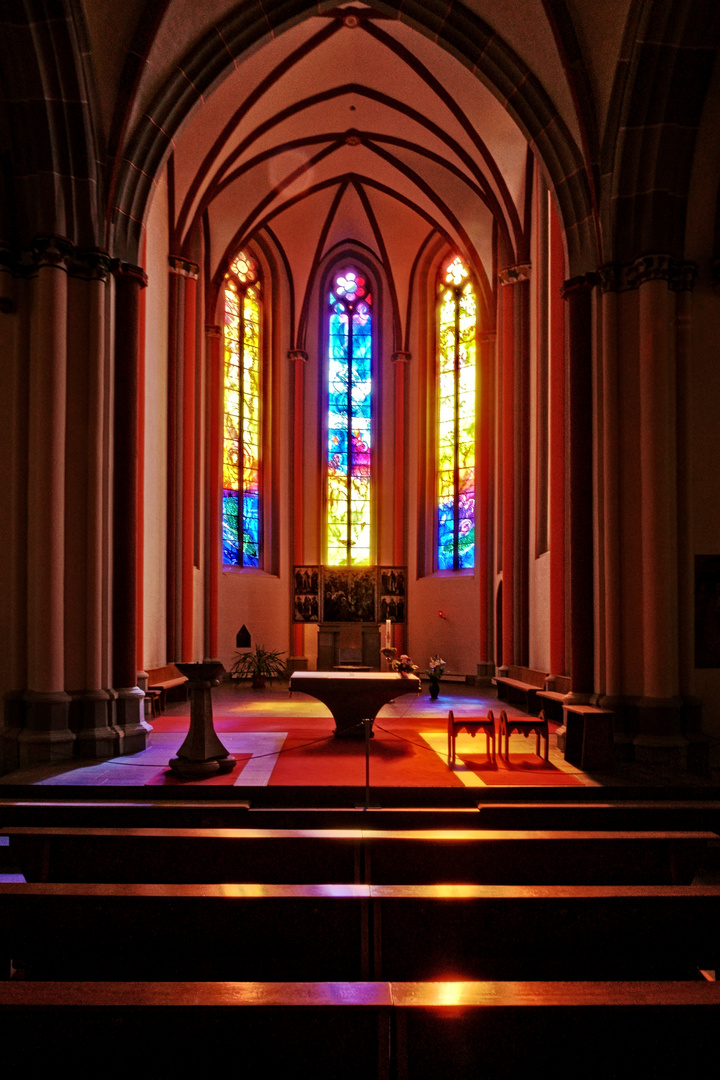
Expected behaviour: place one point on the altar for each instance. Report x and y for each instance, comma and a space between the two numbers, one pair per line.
353, 696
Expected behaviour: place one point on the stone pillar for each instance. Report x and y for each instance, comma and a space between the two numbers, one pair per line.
400, 361
92, 723
188, 467
660, 709
298, 359
182, 296
483, 505
45, 733
556, 474
515, 510
129, 280
609, 529
214, 482
578, 296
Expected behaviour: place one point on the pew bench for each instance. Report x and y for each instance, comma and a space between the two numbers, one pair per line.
170, 684
552, 696
368, 1029
348, 932
389, 856
520, 687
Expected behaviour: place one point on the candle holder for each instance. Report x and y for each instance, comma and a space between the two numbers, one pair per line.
389, 653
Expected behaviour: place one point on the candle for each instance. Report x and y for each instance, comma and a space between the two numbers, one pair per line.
388, 633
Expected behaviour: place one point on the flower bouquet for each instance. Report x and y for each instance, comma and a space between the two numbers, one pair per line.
435, 671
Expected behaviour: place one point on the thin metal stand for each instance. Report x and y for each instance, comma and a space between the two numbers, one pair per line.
367, 724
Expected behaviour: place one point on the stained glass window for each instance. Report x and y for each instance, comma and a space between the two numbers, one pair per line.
349, 419
456, 419
241, 438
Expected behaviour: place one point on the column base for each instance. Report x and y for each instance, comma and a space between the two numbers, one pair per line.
133, 730
91, 720
485, 672
45, 734
10, 727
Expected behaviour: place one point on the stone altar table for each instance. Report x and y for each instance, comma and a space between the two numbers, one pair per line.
353, 696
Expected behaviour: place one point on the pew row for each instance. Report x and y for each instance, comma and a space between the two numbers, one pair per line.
363, 1030
96, 932
307, 856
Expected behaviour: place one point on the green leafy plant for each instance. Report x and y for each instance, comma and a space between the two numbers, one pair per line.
260, 665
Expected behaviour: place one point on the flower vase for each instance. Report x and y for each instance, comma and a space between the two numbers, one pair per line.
434, 688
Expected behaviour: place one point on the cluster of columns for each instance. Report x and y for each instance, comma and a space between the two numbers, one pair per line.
73, 541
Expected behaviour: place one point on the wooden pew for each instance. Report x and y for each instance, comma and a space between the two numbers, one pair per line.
553, 694
307, 856
92, 932
366, 1030
170, 682
520, 686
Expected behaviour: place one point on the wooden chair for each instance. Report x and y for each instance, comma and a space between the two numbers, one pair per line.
524, 725
471, 724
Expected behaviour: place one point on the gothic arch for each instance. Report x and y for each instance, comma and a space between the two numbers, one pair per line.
463, 34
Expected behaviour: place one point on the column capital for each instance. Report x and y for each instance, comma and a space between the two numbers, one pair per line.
582, 283
213, 331
129, 272
401, 357
55, 251
511, 275
297, 354
91, 265
182, 266
621, 277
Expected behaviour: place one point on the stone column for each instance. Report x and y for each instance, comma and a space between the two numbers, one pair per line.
129, 280
214, 482
515, 462
660, 709
400, 360
298, 359
96, 737
483, 504
507, 468
45, 733
609, 529
556, 475
187, 427
578, 297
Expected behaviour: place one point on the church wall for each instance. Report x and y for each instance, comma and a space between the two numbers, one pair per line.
154, 647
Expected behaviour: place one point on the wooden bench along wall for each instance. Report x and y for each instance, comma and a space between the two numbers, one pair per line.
170, 681
553, 694
520, 686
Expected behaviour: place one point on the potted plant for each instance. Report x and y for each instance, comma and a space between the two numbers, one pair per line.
435, 671
260, 665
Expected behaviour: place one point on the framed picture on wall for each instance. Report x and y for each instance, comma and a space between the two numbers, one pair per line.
306, 600
349, 594
392, 593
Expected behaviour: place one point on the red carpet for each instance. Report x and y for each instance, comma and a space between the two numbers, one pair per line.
404, 761
399, 757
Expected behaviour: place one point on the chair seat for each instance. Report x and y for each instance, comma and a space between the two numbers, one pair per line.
471, 724
524, 725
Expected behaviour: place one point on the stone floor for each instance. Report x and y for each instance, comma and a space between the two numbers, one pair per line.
273, 710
